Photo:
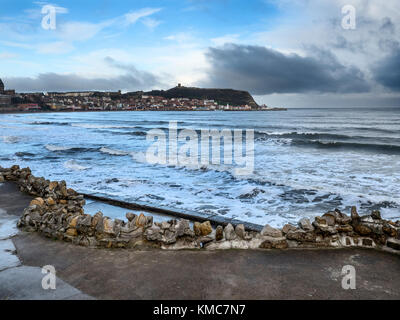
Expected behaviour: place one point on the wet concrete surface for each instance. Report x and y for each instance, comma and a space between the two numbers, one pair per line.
18, 281
12, 200
232, 274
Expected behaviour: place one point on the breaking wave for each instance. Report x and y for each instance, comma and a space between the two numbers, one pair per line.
49, 123
54, 148
51, 147
73, 165
11, 139
371, 147
100, 126
24, 154
327, 141
113, 152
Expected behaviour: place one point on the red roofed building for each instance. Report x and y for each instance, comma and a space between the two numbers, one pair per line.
29, 107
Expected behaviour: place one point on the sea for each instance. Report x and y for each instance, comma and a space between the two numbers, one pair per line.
306, 161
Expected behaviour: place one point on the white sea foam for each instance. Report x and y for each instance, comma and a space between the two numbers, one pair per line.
139, 156
277, 142
113, 152
11, 139
274, 133
391, 213
99, 126
73, 165
51, 147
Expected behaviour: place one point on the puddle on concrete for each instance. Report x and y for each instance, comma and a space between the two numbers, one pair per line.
8, 225
8, 259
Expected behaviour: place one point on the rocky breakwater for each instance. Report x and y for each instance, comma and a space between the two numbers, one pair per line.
57, 212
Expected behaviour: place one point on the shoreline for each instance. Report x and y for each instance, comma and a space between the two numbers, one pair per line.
58, 213
89, 111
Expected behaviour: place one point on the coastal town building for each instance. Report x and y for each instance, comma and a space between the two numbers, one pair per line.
29, 107
119, 102
5, 95
10, 92
5, 100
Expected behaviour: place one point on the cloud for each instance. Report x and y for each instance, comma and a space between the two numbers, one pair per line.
151, 23
80, 31
265, 71
16, 45
131, 80
387, 71
229, 38
66, 35
133, 16
26, 31
145, 79
58, 8
7, 55
180, 37
36, 13
344, 44
54, 47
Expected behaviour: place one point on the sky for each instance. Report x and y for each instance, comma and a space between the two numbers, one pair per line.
285, 53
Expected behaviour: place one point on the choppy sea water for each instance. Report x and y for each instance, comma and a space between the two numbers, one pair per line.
307, 161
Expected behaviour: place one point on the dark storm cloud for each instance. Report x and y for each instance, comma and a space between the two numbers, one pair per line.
342, 43
387, 71
144, 78
387, 26
131, 80
266, 71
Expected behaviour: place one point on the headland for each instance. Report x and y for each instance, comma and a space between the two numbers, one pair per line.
179, 98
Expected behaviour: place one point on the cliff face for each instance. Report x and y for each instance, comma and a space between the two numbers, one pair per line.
222, 96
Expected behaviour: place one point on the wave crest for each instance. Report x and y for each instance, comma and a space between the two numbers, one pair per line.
11, 139
52, 147
113, 152
73, 165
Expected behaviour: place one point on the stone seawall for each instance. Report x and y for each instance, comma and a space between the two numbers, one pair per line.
57, 212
